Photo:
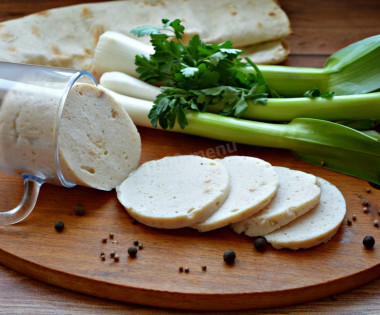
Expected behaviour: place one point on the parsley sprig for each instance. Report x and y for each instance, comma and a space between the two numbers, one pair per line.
315, 92
196, 75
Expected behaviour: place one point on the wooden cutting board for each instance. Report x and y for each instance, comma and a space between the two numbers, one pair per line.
71, 259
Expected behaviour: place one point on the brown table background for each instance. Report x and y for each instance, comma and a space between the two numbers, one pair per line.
319, 29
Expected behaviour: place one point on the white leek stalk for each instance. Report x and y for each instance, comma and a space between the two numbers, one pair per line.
117, 52
127, 85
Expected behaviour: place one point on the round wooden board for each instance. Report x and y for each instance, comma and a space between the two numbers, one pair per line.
71, 259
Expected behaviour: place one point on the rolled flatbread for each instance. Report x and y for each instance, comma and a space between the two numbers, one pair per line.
67, 37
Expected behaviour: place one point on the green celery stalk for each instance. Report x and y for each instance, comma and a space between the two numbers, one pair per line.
336, 146
351, 70
345, 107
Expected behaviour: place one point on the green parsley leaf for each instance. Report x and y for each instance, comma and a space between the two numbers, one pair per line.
146, 30
189, 71
315, 92
196, 75
231, 51
328, 94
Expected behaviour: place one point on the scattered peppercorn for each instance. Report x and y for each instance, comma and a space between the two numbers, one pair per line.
364, 201
354, 217
180, 269
112, 255
368, 190
116, 258
102, 254
79, 209
204, 268
368, 242
187, 269
103, 257
104, 240
111, 235
114, 242
229, 256
140, 245
59, 225
260, 243
132, 251
365, 210
136, 242
349, 222
376, 223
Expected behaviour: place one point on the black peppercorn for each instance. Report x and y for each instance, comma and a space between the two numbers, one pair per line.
132, 251
368, 242
204, 268
136, 242
260, 244
229, 256
59, 225
79, 209
180, 269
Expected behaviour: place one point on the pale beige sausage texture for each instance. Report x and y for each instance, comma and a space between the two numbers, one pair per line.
98, 143
254, 182
175, 192
298, 193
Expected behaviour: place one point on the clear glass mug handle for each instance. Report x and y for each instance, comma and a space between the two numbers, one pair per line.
32, 185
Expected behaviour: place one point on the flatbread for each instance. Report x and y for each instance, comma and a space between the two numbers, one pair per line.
67, 37
272, 52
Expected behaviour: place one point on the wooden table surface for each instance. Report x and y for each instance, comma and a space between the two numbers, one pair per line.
319, 29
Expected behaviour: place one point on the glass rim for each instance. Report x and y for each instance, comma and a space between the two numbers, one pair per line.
73, 79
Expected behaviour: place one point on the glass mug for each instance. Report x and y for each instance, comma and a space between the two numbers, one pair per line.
32, 99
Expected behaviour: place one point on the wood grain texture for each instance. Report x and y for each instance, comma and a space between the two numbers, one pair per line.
275, 278
317, 33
